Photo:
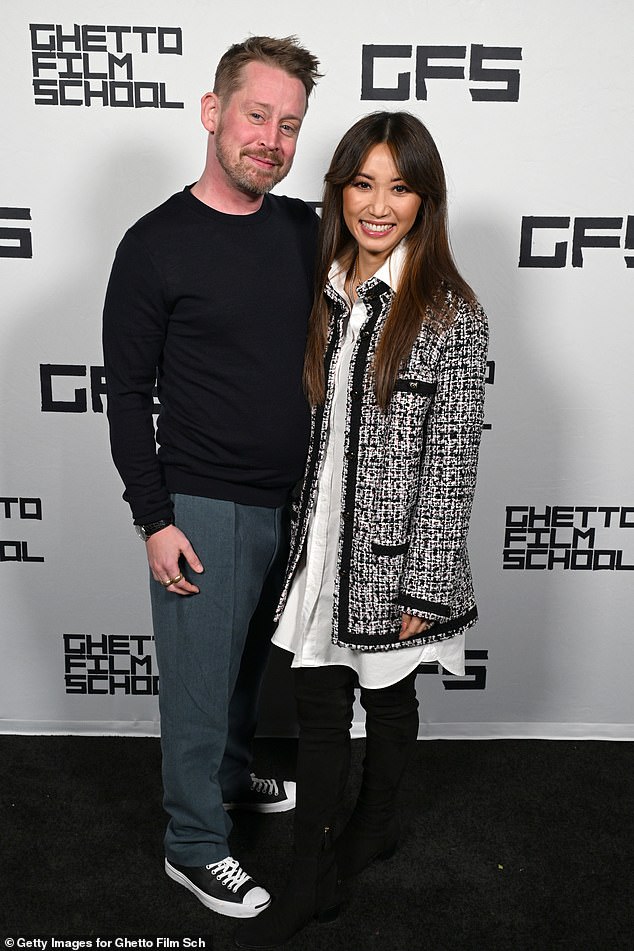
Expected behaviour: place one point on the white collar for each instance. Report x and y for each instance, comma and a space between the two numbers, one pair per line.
390, 271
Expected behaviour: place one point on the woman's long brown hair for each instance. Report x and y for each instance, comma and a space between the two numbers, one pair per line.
429, 264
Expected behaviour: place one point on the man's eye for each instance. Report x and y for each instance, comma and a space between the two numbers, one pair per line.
288, 129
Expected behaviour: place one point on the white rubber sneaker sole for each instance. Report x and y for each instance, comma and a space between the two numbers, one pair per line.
231, 909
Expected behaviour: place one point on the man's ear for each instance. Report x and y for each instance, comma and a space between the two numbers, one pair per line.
209, 111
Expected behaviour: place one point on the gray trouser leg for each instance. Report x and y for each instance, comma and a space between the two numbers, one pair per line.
199, 644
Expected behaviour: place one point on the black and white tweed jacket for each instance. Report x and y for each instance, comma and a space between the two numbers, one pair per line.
408, 478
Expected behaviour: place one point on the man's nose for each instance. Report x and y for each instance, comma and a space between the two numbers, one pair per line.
270, 137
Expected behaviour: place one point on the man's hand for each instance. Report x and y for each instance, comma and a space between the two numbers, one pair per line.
411, 626
164, 550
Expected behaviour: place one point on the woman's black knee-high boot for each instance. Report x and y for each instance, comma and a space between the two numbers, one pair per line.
391, 730
324, 704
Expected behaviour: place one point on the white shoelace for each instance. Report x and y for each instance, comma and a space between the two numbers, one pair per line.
268, 786
228, 872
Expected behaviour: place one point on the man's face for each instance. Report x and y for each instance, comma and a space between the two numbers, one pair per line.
257, 128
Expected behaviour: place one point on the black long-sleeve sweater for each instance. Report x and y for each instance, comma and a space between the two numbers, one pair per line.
214, 307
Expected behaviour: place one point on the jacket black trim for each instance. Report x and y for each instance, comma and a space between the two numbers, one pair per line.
414, 386
389, 550
352, 457
433, 607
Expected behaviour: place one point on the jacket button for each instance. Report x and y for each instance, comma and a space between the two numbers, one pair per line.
346, 516
350, 453
356, 394
413, 385
343, 572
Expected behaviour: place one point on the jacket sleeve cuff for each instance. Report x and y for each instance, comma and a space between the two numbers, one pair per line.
422, 608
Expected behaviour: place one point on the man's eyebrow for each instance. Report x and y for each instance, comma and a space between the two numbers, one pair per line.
267, 107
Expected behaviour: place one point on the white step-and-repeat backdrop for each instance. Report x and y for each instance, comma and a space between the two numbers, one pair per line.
531, 106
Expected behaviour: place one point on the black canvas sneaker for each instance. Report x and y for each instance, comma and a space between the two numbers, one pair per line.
223, 886
266, 795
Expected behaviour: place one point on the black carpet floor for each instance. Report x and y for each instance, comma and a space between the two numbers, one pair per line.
507, 845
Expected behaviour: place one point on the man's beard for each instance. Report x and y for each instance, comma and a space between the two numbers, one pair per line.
245, 176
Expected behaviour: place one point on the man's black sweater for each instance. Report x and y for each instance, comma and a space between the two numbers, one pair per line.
215, 308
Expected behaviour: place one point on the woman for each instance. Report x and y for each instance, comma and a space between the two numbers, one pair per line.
378, 579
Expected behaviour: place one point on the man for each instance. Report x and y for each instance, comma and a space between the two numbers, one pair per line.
210, 294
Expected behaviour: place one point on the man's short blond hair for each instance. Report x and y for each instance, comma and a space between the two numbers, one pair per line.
285, 54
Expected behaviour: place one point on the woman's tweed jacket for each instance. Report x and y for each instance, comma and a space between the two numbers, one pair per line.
408, 478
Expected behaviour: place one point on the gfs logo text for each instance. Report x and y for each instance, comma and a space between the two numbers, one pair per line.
402, 72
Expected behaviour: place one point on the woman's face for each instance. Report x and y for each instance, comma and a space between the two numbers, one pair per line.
379, 209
